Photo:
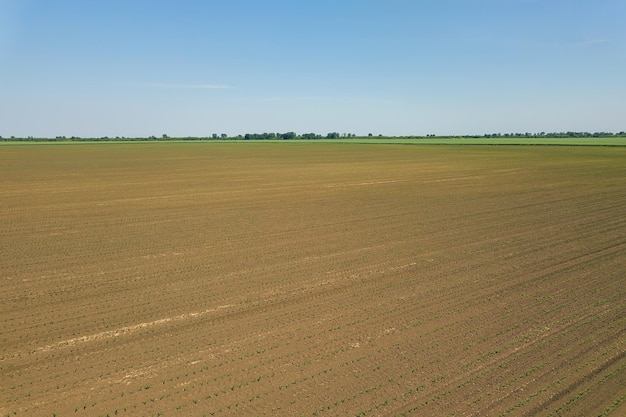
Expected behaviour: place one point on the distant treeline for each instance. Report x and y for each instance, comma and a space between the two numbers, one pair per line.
164, 137
308, 136
551, 135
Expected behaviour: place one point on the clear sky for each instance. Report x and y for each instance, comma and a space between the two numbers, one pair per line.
94, 68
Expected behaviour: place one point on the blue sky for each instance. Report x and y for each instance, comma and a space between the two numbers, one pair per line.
396, 67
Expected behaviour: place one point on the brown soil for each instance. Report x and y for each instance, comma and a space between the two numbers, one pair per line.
312, 279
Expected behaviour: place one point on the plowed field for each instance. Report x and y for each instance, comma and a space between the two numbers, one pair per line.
312, 279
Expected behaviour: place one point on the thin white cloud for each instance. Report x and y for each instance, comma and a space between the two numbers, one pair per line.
190, 86
591, 42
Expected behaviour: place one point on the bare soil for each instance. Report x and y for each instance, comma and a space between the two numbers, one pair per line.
312, 279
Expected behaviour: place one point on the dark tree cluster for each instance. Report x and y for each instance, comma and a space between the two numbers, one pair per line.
293, 135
